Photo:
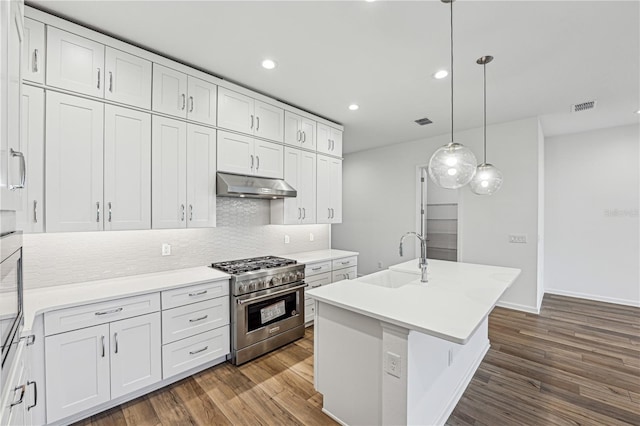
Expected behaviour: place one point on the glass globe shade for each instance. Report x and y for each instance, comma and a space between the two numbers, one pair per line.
487, 180
452, 166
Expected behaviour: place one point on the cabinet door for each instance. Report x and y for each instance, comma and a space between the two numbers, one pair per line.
323, 207
235, 153
77, 371
201, 176
135, 354
292, 209
73, 163
336, 142
127, 169
307, 186
169, 91
74, 63
128, 78
269, 159
323, 137
308, 133
32, 144
202, 102
33, 52
292, 133
269, 122
335, 185
168, 173
235, 111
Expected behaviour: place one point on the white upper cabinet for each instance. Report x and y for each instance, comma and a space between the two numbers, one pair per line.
248, 156
202, 102
329, 187
244, 114
168, 169
201, 176
31, 218
33, 51
299, 172
169, 91
299, 131
128, 79
74, 161
75, 63
329, 140
127, 169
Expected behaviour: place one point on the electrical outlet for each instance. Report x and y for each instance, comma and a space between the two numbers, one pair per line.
311, 237
517, 238
287, 240
166, 249
394, 364
380, 265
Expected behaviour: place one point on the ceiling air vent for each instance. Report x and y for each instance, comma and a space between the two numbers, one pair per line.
584, 106
424, 121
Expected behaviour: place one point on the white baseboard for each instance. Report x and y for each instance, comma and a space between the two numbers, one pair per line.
337, 420
627, 302
519, 307
462, 386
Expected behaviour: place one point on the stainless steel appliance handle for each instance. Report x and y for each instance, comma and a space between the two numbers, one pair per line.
191, 101
103, 347
23, 389
35, 394
111, 311
35, 211
35, 61
98, 211
23, 169
109, 203
257, 123
200, 293
184, 101
266, 296
115, 338
191, 212
198, 351
199, 319
98, 78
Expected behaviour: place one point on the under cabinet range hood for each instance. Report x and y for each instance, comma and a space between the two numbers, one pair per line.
242, 186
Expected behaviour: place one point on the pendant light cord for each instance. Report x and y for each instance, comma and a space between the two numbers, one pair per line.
451, 22
484, 71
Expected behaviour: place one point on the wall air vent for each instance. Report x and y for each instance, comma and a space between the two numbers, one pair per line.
584, 106
424, 121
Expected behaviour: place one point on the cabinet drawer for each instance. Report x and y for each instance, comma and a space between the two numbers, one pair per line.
194, 293
188, 320
345, 274
309, 310
317, 268
191, 352
320, 279
99, 313
345, 262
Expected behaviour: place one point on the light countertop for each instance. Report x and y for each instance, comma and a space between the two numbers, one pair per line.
37, 301
319, 255
450, 306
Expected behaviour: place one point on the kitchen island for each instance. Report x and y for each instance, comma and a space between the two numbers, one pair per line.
392, 350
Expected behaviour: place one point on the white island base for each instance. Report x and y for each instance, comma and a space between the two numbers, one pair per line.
390, 350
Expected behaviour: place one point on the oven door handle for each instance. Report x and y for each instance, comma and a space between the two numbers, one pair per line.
266, 296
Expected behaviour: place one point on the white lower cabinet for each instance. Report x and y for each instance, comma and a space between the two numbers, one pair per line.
188, 320
90, 366
344, 274
185, 354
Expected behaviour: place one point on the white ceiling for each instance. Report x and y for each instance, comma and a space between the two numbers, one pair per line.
381, 55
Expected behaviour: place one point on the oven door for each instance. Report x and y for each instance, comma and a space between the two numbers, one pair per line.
267, 313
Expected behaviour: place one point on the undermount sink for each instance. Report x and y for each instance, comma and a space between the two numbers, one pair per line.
389, 278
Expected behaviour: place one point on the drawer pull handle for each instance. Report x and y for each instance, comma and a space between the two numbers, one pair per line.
198, 351
35, 394
112, 311
23, 389
200, 293
199, 319
346, 263
316, 269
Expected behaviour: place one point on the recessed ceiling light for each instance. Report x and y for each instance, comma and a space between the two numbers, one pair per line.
354, 107
268, 64
440, 74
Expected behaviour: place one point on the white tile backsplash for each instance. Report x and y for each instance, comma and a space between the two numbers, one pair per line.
243, 231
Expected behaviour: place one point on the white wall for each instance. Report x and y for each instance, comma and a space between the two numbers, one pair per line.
592, 222
243, 231
379, 204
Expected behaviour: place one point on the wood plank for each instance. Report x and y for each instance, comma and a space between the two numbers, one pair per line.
140, 412
302, 410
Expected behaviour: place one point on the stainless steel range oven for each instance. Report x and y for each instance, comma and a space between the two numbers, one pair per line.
267, 305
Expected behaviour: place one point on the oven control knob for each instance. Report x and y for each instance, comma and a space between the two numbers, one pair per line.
260, 284
243, 288
292, 276
300, 275
276, 280
252, 286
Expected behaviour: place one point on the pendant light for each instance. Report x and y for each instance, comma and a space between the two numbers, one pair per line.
488, 179
453, 165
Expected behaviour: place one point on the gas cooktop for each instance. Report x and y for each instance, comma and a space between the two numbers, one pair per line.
237, 267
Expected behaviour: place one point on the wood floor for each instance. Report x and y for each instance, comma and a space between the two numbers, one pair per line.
577, 363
